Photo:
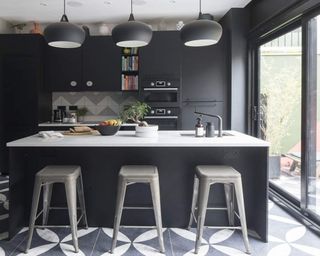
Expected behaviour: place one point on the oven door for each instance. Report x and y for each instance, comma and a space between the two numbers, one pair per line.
164, 122
160, 94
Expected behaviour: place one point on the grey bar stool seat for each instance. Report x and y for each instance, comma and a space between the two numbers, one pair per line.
72, 179
207, 175
131, 174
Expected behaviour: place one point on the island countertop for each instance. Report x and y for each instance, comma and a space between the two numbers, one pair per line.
128, 139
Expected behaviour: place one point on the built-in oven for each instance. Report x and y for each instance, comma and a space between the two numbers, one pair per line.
161, 90
168, 118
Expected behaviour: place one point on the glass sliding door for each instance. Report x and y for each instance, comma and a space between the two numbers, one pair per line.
280, 109
313, 177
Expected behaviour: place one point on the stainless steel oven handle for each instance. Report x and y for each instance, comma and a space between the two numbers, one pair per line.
161, 117
160, 89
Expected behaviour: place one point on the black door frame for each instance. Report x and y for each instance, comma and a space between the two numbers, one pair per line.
308, 102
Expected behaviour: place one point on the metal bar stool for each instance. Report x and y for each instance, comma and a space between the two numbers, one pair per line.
207, 175
72, 179
131, 174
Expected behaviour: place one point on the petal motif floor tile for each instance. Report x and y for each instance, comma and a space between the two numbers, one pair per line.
286, 237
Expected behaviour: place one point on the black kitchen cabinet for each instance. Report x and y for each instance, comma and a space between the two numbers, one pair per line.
188, 118
63, 69
25, 102
101, 64
162, 57
204, 82
96, 66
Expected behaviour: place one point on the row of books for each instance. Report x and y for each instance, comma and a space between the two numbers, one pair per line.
129, 83
130, 63
130, 51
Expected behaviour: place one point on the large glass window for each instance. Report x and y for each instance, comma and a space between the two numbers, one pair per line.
314, 173
280, 109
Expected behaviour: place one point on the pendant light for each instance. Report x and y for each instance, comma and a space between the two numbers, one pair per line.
64, 34
202, 32
132, 33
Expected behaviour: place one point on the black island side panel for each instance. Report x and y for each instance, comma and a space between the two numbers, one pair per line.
176, 165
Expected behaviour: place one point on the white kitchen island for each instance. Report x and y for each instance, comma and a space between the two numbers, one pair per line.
175, 153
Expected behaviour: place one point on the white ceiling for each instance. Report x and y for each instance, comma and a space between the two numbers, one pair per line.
112, 11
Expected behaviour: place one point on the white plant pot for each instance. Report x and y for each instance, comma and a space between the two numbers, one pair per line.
150, 131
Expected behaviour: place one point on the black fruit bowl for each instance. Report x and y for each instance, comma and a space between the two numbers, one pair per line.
106, 130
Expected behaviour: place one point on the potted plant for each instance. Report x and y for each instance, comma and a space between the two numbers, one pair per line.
135, 113
275, 120
81, 112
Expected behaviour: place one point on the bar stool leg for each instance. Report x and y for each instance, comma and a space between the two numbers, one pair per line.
122, 186
194, 200
242, 214
82, 201
155, 193
34, 210
47, 193
71, 192
228, 190
204, 189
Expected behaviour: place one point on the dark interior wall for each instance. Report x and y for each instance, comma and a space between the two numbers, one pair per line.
236, 25
262, 10
2, 138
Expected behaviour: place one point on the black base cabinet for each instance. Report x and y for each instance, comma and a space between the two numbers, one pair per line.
96, 66
25, 101
176, 165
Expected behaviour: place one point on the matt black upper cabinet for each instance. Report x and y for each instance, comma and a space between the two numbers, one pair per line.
63, 69
96, 66
101, 64
162, 56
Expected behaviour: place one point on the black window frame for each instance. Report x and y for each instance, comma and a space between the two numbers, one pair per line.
308, 99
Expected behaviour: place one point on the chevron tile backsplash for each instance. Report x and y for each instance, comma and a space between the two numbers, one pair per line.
100, 105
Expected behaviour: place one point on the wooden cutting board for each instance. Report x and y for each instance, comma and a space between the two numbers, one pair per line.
68, 133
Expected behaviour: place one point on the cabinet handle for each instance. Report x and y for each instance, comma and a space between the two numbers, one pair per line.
73, 83
89, 83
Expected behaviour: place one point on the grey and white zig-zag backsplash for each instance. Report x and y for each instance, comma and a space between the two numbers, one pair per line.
100, 105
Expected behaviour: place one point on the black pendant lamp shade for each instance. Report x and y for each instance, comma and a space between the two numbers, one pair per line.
64, 34
132, 33
202, 32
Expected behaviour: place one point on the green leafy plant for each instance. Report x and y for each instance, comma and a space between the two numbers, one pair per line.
135, 113
82, 111
280, 94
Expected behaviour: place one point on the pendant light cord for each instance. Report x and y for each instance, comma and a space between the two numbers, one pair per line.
64, 17
131, 18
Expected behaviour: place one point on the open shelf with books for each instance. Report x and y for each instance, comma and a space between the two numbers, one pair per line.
130, 69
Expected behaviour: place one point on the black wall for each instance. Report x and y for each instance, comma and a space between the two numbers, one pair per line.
262, 10
236, 25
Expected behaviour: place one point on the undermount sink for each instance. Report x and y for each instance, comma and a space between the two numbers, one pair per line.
193, 135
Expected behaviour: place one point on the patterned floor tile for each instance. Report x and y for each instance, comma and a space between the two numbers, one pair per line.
132, 241
287, 237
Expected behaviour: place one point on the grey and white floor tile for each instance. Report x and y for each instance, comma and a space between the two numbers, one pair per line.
287, 237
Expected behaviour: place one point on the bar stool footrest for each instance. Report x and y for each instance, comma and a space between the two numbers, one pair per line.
124, 226
138, 208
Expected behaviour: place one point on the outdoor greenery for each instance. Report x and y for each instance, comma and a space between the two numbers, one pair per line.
280, 101
135, 113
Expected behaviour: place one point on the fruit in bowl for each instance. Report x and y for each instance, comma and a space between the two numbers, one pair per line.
111, 122
109, 127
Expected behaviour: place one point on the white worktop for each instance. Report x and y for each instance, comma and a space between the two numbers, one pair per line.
93, 123
128, 139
